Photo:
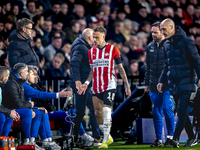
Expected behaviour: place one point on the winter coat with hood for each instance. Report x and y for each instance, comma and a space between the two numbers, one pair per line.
20, 51
79, 63
182, 62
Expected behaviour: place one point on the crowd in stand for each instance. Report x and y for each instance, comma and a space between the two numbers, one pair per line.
57, 23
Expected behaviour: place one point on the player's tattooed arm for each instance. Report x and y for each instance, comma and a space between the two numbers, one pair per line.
124, 78
90, 74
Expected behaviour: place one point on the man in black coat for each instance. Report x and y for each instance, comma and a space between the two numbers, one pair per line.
182, 62
13, 98
162, 102
79, 69
6, 115
19, 49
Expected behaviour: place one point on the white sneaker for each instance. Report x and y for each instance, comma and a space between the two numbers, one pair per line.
87, 140
33, 143
47, 144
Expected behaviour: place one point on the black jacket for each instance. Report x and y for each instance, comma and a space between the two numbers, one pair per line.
155, 60
79, 63
182, 60
3, 109
13, 94
19, 50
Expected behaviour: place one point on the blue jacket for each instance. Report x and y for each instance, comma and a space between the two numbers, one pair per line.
30, 92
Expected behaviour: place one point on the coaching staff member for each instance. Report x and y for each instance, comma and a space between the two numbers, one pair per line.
182, 59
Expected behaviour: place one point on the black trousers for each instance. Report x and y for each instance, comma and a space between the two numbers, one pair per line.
81, 101
182, 101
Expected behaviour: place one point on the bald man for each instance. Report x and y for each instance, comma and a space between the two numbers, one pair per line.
182, 62
79, 69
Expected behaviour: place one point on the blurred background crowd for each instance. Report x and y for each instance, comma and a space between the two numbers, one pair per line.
57, 23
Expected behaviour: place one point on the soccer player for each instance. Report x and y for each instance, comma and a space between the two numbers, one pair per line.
104, 58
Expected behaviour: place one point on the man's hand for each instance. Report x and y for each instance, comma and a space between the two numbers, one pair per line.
42, 108
33, 114
32, 104
146, 89
199, 83
14, 115
78, 84
159, 87
64, 93
127, 90
82, 89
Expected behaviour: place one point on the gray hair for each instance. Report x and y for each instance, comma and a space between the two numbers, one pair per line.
127, 21
19, 67
24, 22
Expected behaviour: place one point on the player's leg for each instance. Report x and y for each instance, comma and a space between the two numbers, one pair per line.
108, 97
93, 119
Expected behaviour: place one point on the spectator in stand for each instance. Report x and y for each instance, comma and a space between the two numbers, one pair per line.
53, 12
142, 15
2, 48
127, 10
83, 25
38, 8
78, 13
73, 32
47, 28
127, 29
56, 69
124, 52
2, 32
188, 15
145, 29
117, 31
38, 26
178, 18
6, 8
29, 12
197, 15
156, 14
121, 14
4, 58
63, 14
42, 62
58, 27
39, 49
51, 49
19, 49
112, 18
9, 26
14, 13
67, 49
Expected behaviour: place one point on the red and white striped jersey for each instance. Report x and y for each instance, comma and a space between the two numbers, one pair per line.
103, 62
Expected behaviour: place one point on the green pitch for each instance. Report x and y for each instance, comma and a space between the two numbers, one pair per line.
118, 146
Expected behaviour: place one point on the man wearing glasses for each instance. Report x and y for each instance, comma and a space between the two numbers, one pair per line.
19, 49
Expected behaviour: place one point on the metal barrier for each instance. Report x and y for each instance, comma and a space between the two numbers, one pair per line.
54, 83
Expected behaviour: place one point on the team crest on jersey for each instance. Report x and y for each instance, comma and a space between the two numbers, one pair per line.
106, 54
